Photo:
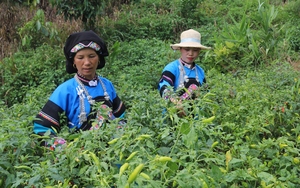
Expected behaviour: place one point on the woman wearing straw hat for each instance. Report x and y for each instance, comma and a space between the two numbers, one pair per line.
182, 75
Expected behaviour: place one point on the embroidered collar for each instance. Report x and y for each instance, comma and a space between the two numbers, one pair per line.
183, 77
88, 82
190, 66
83, 93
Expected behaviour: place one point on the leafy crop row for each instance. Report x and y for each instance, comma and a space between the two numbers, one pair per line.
243, 130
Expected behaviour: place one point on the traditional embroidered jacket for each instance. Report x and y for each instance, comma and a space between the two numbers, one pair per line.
66, 100
177, 75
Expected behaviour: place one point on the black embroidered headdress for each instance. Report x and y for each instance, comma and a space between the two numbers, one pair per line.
84, 39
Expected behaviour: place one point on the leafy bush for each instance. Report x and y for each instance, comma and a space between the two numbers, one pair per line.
152, 19
293, 10
294, 40
244, 132
26, 70
139, 63
256, 33
281, 83
38, 32
251, 126
87, 11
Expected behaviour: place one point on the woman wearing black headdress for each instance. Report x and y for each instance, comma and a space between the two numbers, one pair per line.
84, 52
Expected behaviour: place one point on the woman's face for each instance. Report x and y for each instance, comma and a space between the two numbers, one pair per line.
188, 54
86, 61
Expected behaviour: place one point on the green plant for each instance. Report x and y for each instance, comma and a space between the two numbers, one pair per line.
244, 132
294, 40
231, 47
86, 10
26, 70
151, 19
268, 36
38, 32
256, 33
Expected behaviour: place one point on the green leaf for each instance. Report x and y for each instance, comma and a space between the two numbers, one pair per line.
265, 176
185, 128
38, 25
216, 172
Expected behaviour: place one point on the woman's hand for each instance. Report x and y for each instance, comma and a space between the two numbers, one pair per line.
56, 143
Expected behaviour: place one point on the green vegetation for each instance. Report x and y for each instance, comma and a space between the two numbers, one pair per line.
246, 133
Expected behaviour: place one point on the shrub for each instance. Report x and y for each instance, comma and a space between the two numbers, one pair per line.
294, 39
25, 70
152, 19
256, 33
38, 32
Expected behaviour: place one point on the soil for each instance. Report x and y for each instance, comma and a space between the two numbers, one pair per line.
296, 65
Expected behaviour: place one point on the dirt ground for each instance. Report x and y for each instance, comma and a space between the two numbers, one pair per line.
296, 65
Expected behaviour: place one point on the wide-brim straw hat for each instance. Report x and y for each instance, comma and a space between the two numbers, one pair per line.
190, 38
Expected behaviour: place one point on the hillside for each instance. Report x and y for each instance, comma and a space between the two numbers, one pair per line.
243, 130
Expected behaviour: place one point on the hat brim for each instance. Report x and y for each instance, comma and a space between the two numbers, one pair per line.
191, 45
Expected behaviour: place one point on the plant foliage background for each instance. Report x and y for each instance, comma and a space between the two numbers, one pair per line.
247, 130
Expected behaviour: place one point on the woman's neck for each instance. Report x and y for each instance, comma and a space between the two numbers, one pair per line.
189, 65
87, 79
